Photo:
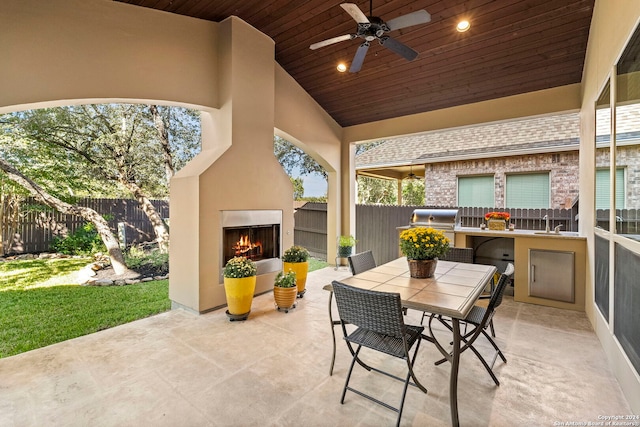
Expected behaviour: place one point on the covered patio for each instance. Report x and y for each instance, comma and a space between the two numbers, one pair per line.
179, 368
185, 368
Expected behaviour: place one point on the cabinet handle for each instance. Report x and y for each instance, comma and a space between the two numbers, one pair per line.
533, 273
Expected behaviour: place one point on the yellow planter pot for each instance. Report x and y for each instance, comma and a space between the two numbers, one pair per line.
239, 294
301, 269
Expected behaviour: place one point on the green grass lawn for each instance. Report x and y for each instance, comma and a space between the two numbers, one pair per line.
316, 264
38, 308
34, 316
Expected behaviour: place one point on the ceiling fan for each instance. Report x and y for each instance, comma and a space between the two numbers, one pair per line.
411, 176
371, 28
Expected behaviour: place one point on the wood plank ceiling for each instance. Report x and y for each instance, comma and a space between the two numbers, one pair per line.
513, 47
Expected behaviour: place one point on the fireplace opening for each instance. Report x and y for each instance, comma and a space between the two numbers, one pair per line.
255, 242
254, 234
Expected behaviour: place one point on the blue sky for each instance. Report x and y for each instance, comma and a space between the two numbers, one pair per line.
314, 186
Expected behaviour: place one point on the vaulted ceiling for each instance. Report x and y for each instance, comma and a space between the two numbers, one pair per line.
512, 47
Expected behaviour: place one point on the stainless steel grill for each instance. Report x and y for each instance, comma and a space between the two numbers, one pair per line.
441, 219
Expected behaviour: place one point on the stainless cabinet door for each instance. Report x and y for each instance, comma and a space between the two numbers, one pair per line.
551, 275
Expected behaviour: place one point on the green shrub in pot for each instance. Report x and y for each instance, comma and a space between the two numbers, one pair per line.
345, 245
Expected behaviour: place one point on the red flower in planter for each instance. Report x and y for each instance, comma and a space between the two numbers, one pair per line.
497, 215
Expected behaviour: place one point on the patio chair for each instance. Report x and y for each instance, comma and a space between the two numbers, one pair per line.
459, 255
509, 270
479, 317
380, 327
361, 262
358, 263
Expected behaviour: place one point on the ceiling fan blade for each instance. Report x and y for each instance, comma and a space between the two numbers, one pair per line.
355, 12
401, 49
358, 58
414, 18
332, 41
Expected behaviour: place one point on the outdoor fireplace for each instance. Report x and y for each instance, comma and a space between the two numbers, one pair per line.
254, 234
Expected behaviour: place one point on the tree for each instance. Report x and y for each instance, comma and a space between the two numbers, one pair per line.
294, 159
413, 192
377, 191
125, 146
298, 188
113, 247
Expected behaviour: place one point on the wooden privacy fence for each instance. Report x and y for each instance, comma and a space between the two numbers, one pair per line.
34, 226
376, 225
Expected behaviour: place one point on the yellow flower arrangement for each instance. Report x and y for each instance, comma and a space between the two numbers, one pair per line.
423, 243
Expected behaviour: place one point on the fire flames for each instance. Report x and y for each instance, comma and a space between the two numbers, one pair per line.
246, 248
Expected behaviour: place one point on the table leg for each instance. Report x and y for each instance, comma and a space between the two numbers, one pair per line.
453, 380
333, 334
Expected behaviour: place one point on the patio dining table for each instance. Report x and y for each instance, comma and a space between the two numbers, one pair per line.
452, 292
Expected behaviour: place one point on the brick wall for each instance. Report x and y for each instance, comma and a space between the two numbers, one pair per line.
441, 178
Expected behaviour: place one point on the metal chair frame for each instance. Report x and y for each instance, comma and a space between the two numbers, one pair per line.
480, 318
380, 326
358, 263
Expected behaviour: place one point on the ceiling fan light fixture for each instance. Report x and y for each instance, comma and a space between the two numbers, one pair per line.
412, 176
342, 67
463, 26
371, 28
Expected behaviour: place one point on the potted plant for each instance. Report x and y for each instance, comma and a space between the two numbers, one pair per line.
239, 285
285, 291
497, 220
345, 245
422, 246
296, 259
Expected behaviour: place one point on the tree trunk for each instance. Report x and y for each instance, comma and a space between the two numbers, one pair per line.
159, 227
164, 141
102, 227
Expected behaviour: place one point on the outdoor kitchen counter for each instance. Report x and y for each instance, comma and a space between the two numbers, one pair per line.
526, 241
475, 231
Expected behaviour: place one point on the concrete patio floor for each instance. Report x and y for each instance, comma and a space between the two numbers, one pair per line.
181, 369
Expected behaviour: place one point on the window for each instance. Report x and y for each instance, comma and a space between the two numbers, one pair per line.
602, 188
476, 191
528, 191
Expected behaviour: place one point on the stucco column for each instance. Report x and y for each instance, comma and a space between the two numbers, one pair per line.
236, 170
348, 187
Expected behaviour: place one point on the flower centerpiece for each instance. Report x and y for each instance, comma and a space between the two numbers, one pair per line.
296, 259
422, 246
239, 285
497, 220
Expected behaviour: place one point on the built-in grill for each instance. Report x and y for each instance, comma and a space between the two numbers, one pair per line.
445, 220
441, 219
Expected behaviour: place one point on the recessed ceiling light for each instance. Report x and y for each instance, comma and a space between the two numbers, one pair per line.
342, 67
463, 26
